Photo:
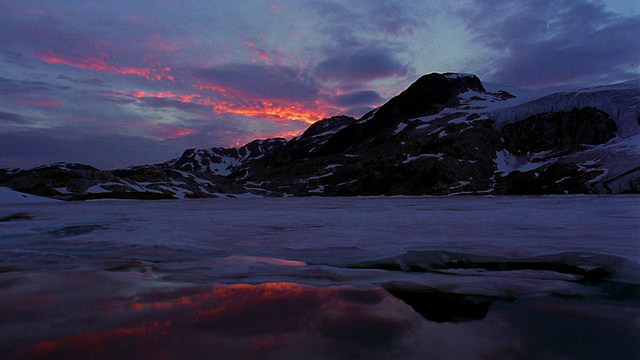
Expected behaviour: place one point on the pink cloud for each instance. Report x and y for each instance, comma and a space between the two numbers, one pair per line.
100, 64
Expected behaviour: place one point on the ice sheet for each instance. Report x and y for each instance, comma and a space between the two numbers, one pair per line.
385, 277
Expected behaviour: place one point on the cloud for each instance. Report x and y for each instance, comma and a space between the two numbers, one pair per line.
32, 148
102, 63
539, 44
11, 117
93, 81
394, 18
263, 91
261, 81
388, 18
40, 102
11, 87
164, 103
361, 66
15, 58
365, 97
167, 99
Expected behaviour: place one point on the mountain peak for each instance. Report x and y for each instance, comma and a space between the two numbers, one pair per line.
428, 95
444, 134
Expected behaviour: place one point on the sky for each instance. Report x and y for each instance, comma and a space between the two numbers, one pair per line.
120, 83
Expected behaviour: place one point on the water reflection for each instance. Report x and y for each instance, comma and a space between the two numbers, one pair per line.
92, 314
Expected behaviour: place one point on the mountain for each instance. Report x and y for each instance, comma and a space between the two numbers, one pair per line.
445, 134
224, 161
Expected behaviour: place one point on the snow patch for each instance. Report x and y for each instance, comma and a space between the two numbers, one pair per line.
508, 162
318, 190
8, 196
96, 189
410, 158
319, 176
400, 127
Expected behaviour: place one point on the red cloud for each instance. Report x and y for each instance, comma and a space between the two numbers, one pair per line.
167, 131
100, 64
263, 56
265, 91
280, 110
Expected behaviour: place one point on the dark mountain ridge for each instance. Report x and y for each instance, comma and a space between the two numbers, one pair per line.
445, 134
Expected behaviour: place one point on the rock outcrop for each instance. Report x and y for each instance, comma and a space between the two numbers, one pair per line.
445, 134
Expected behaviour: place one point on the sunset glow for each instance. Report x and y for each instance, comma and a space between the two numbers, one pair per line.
92, 342
100, 64
259, 317
270, 110
171, 132
225, 72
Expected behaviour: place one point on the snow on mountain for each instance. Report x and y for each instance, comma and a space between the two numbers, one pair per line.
445, 134
8, 196
620, 101
617, 160
224, 161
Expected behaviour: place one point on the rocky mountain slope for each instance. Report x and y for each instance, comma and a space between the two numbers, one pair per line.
445, 134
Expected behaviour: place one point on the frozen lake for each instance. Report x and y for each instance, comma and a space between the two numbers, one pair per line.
285, 278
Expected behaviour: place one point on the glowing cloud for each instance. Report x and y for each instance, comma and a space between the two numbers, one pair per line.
263, 56
265, 91
274, 110
167, 131
100, 64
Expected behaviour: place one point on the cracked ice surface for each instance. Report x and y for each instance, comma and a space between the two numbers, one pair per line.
321, 278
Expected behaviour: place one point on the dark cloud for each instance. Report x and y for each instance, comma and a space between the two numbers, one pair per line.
15, 58
28, 87
387, 18
540, 44
38, 147
164, 103
394, 18
93, 81
361, 65
261, 81
365, 97
11, 117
